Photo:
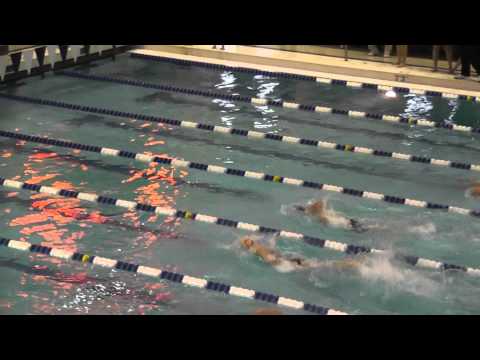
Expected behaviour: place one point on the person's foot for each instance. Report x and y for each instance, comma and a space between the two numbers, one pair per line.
214, 47
459, 77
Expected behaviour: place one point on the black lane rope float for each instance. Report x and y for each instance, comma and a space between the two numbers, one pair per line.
169, 276
284, 104
188, 215
104, 151
347, 148
292, 76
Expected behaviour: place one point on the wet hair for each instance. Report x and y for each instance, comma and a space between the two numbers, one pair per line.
247, 242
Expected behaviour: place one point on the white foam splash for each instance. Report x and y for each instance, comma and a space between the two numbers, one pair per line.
425, 229
285, 267
337, 220
380, 268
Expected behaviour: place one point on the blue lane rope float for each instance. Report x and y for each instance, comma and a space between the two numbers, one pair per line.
292, 76
104, 151
284, 104
256, 135
178, 278
188, 215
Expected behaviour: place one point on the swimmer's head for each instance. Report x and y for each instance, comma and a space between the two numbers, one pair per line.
474, 191
247, 243
316, 208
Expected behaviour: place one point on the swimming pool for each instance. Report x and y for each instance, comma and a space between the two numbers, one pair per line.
39, 285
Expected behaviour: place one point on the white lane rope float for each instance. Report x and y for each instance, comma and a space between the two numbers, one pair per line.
104, 151
255, 135
160, 274
188, 215
292, 76
284, 104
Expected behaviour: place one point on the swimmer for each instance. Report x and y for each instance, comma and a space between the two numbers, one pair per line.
320, 212
474, 191
271, 256
289, 263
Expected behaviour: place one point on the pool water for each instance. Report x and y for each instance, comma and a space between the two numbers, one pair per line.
38, 285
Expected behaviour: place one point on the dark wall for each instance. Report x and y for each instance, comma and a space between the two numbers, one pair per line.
421, 51
3, 50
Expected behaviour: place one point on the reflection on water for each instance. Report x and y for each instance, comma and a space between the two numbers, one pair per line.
228, 81
116, 296
418, 106
453, 104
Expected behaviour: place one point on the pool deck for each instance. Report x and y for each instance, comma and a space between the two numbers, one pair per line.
363, 71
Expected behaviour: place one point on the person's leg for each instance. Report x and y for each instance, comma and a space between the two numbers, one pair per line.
449, 52
476, 67
455, 58
387, 51
402, 55
373, 50
405, 54
465, 54
435, 54
476, 60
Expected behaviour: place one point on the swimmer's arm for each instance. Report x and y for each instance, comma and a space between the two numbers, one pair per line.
323, 219
347, 264
272, 240
267, 255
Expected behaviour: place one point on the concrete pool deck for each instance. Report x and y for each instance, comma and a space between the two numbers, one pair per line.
362, 71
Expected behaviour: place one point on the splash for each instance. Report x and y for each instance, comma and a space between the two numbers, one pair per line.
381, 269
425, 229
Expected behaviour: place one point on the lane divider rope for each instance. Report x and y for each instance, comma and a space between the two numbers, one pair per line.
188, 215
169, 276
284, 104
256, 135
291, 76
104, 151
